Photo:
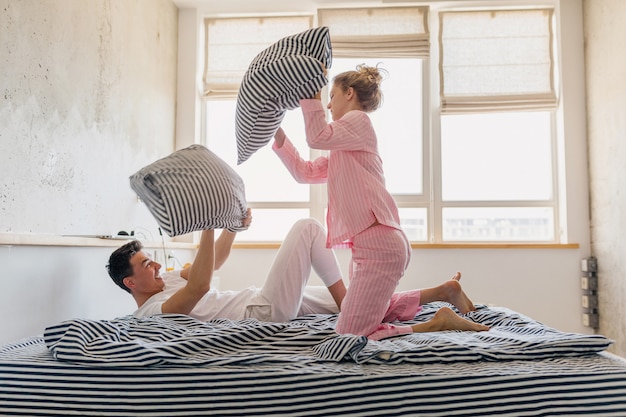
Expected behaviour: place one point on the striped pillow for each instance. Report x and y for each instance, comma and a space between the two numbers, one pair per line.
276, 80
192, 189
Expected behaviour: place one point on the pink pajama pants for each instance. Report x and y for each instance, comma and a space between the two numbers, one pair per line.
380, 255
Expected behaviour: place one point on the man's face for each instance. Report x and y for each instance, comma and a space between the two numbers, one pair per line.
145, 278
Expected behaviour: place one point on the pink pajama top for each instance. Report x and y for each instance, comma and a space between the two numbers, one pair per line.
357, 196
353, 171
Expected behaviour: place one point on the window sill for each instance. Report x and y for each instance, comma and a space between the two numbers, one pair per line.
415, 245
492, 245
28, 239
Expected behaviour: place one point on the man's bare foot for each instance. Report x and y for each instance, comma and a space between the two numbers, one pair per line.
446, 319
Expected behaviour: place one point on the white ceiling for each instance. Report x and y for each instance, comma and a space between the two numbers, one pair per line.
250, 6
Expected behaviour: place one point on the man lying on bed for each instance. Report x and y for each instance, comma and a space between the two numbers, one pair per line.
284, 295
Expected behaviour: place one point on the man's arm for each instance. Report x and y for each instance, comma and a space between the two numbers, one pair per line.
223, 245
198, 278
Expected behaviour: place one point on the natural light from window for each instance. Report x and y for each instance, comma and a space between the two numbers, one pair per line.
464, 163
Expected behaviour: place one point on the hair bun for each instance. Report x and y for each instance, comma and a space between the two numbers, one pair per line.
373, 74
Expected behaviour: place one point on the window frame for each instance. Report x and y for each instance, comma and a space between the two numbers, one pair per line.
559, 227
431, 199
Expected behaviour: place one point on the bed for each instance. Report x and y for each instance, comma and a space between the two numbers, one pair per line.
173, 365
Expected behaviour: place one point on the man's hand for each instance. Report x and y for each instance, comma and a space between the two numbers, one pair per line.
248, 219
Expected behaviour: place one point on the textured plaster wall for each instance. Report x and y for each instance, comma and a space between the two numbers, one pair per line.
605, 35
87, 97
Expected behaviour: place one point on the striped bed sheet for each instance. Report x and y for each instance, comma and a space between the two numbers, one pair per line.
130, 367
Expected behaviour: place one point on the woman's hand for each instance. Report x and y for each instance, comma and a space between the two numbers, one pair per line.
279, 137
318, 95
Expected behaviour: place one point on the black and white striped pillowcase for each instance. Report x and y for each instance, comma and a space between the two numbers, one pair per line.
192, 189
277, 79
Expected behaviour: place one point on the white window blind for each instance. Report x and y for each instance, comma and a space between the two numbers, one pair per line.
387, 32
496, 60
232, 43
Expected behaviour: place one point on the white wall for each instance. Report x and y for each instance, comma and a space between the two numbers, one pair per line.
605, 34
541, 283
87, 97
44, 285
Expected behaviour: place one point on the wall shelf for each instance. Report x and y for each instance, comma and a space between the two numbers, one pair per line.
34, 239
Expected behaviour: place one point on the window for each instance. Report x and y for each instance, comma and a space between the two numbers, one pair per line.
399, 128
231, 44
496, 139
468, 147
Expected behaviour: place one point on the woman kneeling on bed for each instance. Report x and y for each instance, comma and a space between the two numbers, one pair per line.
284, 295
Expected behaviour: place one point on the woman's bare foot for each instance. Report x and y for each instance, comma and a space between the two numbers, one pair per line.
450, 292
455, 295
446, 319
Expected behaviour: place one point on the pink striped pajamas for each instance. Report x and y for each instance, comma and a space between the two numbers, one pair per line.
357, 199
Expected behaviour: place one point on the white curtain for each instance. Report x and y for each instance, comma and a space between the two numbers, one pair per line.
496, 60
387, 32
232, 43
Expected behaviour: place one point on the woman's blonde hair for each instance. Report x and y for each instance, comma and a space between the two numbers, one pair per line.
365, 81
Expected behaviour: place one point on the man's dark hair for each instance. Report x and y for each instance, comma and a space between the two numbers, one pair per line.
119, 266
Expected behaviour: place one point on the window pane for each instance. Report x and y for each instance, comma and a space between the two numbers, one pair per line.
414, 222
498, 224
497, 53
234, 42
264, 175
398, 123
271, 224
496, 156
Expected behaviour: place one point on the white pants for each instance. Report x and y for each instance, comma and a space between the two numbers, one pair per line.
286, 288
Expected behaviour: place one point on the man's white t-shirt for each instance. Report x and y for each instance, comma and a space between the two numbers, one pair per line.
233, 305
